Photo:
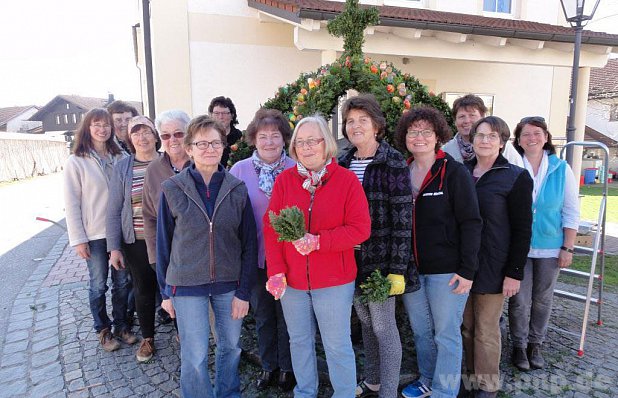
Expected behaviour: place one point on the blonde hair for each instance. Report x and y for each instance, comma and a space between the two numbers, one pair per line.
329, 140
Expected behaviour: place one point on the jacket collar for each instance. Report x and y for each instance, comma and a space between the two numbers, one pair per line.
500, 162
381, 155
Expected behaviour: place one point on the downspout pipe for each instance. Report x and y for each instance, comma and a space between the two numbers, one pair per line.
148, 59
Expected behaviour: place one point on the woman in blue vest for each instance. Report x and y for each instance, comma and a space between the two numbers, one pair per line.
555, 218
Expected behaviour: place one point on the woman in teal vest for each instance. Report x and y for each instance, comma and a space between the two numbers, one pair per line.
555, 218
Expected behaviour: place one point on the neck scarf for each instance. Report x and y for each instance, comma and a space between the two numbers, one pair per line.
465, 148
267, 172
314, 179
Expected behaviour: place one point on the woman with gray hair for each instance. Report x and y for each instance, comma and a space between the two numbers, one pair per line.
314, 275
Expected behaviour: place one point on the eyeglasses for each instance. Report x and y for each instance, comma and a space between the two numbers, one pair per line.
167, 136
536, 119
311, 142
100, 125
142, 134
416, 133
491, 137
224, 113
216, 144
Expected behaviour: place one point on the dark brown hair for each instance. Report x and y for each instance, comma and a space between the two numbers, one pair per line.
427, 114
268, 118
495, 124
368, 104
200, 123
121, 107
538, 122
469, 101
224, 102
83, 145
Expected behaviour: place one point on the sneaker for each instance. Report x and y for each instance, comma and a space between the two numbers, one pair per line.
416, 390
127, 336
363, 391
108, 342
146, 350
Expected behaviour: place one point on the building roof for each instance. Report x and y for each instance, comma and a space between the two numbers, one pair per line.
418, 18
85, 103
6, 114
604, 81
591, 134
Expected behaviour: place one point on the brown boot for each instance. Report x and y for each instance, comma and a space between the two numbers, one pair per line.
108, 342
146, 350
520, 359
126, 336
535, 357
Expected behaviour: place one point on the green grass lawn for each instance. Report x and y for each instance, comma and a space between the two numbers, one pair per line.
591, 200
582, 263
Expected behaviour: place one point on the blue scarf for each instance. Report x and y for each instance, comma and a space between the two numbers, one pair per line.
267, 172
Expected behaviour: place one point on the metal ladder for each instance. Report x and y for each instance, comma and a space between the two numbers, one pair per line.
598, 249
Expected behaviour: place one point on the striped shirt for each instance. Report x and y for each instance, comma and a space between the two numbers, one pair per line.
358, 166
137, 188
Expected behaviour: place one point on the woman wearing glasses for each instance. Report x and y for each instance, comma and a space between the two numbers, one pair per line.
317, 271
554, 227
504, 194
222, 110
206, 253
446, 239
86, 188
386, 181
125, 226
269, 132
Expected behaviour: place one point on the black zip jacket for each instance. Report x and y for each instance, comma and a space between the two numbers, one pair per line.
505, 200
446, 220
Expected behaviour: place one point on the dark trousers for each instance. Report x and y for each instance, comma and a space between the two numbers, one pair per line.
272, 332
144, 285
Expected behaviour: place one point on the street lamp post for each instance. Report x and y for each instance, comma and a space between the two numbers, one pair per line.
577, 14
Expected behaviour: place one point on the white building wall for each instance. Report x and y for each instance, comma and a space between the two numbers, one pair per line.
597, 117
21, 124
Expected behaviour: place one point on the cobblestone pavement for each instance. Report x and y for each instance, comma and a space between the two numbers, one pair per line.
50, 349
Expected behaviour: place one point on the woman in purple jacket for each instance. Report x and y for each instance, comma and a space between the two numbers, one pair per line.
269, 132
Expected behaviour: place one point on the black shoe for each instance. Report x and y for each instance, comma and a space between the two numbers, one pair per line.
535, 358
365, 392
286, 381
164, 317
520, 359
265, 379
485, 394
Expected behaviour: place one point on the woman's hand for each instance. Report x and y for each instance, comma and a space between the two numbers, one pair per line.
116, 260
307, 244
510, 287
398, 284
276, 285
464, 285
83, 250
168, 306
565, 259
240, 308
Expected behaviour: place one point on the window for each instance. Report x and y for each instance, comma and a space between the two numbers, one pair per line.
66, 119
74, 118
488, 99
57, 119
613, 113
67, 106
497, 6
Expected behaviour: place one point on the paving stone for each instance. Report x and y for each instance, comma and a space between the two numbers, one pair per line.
122, 392
76, 384
13, 388
45, 357
45, 372
45, 344
72, 375
99, 391
16, 335
52, 385
15, 347
46, 323
15, 358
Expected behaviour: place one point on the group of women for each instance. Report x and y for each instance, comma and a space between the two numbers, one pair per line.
454, 239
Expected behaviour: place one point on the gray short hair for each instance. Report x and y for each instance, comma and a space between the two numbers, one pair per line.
329, 140
173, 115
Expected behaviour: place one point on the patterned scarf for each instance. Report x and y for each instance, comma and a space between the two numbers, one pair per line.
314, 179
465, 148
267, 172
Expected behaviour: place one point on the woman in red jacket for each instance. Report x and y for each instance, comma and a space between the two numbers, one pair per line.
319, 268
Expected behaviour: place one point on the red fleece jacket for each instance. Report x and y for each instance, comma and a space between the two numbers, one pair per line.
339, 215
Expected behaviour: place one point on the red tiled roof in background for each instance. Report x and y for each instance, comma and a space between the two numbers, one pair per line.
455, 22
604, 81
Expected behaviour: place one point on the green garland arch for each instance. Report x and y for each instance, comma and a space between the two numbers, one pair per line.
319, 92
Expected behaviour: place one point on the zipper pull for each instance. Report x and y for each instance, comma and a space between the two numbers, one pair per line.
211, 226
207, 192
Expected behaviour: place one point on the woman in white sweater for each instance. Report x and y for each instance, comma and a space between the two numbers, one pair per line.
86, 177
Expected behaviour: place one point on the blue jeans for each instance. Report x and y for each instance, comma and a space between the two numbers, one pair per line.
98, 269
435, 314
332, 308
194, 328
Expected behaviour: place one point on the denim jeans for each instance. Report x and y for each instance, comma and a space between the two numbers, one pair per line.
98, 269
192, 314
530, 309
331, 307
435, 314
272, 333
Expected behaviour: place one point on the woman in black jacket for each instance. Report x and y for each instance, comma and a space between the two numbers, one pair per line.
505, 200
446, 239
385, 178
